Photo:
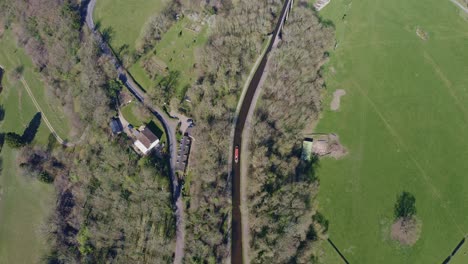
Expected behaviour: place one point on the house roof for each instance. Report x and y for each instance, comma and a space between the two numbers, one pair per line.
146, 137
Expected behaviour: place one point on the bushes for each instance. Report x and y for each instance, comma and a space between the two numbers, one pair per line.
14, 140
46, 177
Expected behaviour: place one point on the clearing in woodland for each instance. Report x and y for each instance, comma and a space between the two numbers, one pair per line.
404, 122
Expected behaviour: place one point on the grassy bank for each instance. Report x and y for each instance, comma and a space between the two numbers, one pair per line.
176, 51
403, 119
126, 18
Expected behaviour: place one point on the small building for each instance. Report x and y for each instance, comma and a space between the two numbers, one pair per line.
116, 126
307, 149
146, 140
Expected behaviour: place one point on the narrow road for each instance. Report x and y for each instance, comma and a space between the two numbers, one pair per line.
170, 126
237, 255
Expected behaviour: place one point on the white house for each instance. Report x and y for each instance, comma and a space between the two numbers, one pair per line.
146, 141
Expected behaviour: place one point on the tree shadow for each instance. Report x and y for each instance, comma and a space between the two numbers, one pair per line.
30, 132
2, 113
97, 25
2, 141
107, 34
307, 169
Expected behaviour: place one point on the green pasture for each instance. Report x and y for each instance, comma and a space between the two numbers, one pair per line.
461, 256
125, 18
404, 121
177, 50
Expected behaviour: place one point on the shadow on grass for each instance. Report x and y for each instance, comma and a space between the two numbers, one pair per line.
338, 251
2, 113
155, 129
447, 260
30, 132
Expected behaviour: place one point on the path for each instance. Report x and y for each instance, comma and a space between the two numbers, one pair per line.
44, 117
465, 9
170, 126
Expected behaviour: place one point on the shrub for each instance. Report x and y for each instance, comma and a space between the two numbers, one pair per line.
14, 140
46, 177
405, 206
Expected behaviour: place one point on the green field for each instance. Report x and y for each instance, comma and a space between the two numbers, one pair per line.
24, 203
126, 18
177, 52
404, 121
461, 256
130, 114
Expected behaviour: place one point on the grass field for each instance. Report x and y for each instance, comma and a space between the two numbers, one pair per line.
461, 256
126, 18
129, 114
404, 121
24, 203
177, 52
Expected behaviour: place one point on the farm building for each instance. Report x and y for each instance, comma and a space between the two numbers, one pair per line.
116, 126
307, 149
146, 140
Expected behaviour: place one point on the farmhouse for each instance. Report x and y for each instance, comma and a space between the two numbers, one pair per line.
146, 140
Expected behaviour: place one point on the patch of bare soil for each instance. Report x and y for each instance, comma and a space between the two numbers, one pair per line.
328, 145
335, 103
406, 231
422, 34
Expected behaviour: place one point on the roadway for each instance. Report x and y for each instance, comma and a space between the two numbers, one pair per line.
237, 240
169, 123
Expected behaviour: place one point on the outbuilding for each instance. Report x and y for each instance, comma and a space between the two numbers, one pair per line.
116, 126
